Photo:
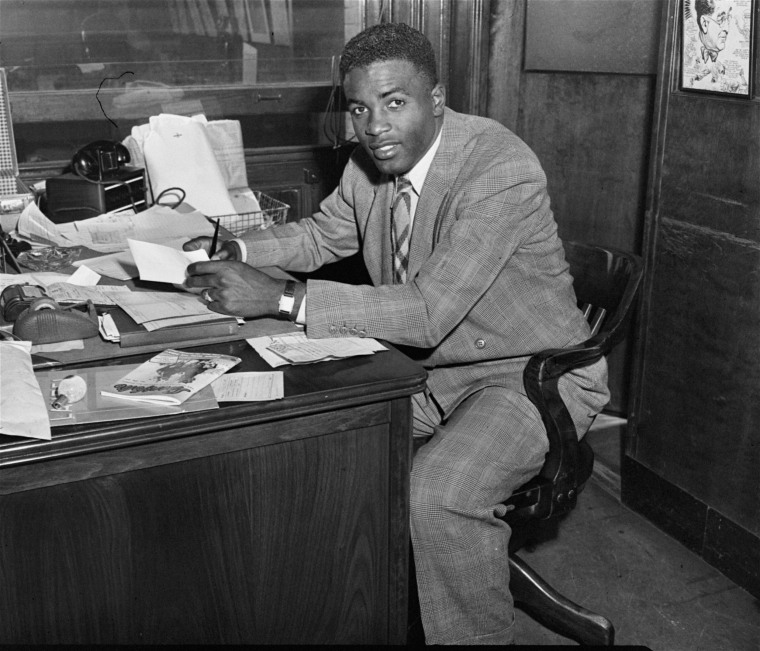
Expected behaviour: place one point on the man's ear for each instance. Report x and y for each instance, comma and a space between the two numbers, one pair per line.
702, 24
438, 94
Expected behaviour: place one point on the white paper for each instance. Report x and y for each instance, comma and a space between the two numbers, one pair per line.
296, 348
178, 153
37, 278
158, 224
164, 264
261, 346
147, 307
119, 266
100, 295
22, 407
33, 226
249, 387
84, 277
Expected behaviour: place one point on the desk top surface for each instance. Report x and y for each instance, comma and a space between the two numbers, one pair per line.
309, 389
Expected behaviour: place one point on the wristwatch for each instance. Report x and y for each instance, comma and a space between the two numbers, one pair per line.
287, 300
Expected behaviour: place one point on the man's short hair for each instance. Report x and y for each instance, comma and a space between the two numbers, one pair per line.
386, 42
704, 8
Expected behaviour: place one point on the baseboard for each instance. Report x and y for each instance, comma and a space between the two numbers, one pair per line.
724, 544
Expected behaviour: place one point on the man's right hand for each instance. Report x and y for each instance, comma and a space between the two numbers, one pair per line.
227, 251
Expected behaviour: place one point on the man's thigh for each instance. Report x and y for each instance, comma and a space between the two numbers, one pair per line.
492, 443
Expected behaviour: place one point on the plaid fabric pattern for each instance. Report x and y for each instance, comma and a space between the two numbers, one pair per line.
401, 227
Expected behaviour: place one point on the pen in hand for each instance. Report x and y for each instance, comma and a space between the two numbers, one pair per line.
212, 250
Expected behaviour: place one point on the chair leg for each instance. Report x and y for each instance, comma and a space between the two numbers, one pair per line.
536, 597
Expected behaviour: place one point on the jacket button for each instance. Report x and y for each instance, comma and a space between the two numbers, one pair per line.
353, 331
362, 333
480, 343
333, 329
343, 330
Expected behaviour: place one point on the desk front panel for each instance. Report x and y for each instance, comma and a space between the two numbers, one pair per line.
297, 536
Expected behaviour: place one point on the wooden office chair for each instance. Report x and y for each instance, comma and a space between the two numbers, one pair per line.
605, 282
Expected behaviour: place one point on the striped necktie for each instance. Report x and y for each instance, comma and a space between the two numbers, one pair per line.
401, 222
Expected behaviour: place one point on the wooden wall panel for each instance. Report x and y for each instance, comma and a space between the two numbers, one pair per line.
591, 133
699, 424
711, 165
593, 36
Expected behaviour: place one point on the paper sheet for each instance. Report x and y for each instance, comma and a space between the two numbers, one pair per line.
22, 407
36, 278
119, 266
100, 295
109, 233
296, 348
161, 263
158, 224
145, 307
249, 387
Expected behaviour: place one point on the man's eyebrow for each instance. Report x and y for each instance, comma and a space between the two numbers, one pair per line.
383, 95
395, 89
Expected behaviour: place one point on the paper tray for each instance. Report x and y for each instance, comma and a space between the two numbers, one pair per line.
272, 213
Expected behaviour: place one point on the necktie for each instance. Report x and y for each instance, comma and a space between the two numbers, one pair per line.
401, 226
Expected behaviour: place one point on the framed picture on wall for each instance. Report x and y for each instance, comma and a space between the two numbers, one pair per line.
716, 46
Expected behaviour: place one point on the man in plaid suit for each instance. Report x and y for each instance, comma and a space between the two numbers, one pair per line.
481, 285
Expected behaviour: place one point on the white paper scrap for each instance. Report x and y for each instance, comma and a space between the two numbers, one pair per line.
163, 264
249, 387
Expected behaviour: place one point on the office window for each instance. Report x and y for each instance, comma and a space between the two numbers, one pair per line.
82, 70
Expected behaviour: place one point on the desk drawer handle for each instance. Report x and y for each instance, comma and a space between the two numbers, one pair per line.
268, 98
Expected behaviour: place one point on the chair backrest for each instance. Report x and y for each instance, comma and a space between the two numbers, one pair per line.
605, 281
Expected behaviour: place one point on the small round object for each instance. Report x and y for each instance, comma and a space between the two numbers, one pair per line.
207, 296
44, 303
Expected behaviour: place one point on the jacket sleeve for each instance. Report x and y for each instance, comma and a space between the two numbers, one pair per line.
328, 235
498, 204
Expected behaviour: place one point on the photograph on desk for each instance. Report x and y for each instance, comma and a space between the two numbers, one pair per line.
170, 377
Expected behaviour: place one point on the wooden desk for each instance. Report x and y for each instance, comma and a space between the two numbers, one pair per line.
280, 522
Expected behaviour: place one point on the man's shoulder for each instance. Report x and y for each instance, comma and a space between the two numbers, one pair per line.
463, 128
474, 137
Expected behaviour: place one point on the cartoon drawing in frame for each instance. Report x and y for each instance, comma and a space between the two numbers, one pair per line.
717, 38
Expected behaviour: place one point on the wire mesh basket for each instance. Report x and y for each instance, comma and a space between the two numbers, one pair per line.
272, 213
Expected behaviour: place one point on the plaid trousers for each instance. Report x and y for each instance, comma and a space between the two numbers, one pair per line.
492, 444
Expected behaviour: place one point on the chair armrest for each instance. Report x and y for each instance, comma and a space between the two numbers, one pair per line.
541, 380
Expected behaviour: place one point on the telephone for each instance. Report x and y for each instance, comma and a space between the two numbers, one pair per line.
100, 160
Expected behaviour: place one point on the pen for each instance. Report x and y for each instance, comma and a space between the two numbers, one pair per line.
212, 250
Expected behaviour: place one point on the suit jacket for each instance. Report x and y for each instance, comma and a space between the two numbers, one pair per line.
488, 283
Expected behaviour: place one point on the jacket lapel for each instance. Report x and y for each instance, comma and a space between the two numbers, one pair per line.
434, 193
378, 253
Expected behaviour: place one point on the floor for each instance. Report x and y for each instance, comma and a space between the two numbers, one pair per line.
612, 561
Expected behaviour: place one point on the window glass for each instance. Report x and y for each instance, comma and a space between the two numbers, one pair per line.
81, 70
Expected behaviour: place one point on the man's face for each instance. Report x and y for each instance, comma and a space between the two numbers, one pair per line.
715, 28
394, 113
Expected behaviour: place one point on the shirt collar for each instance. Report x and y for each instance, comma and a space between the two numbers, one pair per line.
418, 173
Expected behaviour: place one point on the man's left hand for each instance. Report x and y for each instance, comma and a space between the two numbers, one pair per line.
235, 288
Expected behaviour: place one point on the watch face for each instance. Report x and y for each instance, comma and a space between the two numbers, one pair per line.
287, 300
